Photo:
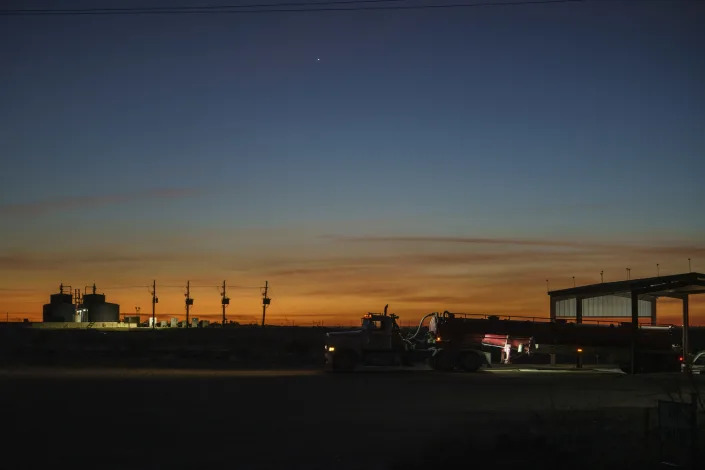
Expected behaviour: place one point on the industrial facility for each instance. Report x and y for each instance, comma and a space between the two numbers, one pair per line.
70, 308
77, 308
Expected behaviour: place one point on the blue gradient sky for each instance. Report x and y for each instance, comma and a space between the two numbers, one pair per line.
219, 147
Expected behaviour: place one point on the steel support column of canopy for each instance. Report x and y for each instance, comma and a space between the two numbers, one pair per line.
635, 330
686, 326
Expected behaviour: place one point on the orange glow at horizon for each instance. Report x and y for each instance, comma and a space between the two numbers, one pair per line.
320, 286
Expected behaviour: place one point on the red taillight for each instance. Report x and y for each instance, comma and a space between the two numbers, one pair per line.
680, 358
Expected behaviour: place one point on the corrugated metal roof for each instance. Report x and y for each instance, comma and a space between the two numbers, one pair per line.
662, 286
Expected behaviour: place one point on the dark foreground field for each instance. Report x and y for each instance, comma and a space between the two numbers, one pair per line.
166, 418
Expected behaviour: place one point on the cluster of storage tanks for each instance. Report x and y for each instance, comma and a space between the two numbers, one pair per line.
64, 307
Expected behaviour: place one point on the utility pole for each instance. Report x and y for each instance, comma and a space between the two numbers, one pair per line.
602, 277
225, 302
265, 301
689, 270
189, 301
573, 281
155, 300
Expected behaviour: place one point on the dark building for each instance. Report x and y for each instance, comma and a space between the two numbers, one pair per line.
60, 308
96, 309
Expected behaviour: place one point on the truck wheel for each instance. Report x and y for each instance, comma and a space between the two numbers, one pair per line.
345, 361
442, 360
470, 362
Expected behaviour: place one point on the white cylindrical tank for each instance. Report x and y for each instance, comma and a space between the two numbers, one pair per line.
433, 325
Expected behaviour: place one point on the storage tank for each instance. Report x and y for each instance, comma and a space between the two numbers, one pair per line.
99, 310
59, 309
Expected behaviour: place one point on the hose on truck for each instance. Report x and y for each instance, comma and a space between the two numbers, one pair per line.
409, 339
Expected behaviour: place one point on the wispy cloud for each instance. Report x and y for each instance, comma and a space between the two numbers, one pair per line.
361, 288
662, 248
81, 202
44, 261
458, 240
406, 264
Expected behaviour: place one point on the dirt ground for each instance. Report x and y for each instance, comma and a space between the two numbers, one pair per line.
164, 418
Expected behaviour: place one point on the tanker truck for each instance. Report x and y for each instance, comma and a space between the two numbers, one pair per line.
379, 341
459, 342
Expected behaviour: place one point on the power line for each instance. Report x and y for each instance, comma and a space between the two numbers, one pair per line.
123, 287
274, 8
215, 286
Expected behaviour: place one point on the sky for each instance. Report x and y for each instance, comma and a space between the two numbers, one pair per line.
438, 159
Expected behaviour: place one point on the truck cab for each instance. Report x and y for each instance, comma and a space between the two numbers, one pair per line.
377, 342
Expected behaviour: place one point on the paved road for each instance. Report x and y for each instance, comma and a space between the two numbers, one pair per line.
159, 418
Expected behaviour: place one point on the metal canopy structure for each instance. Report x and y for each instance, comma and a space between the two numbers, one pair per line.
648, 289
674, 285
635, 292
